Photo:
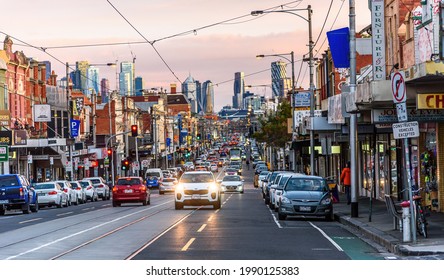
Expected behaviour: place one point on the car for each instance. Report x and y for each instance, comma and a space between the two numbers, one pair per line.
262, 177
173, 171
307, 196
90, 191
232, 183
102, 188
168, 185
200, 168
197, 188
72, 195
260, 168
130, 189
230, 171
276, 193
51, 194
167, 174
214, 168
271, 181
189, 165
81, 195
16, 193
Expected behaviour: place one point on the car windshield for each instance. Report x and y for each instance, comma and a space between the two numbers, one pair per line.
282, 182
196, 178
231, 178
152, 174
44, 186
231, 170
306, 184
129, 181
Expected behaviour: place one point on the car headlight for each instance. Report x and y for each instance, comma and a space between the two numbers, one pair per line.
326, 201
179, 187
285, 200
213, 188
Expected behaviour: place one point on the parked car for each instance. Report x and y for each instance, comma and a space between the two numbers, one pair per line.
16, 193
276, 193
51, 194
72, 195
306, 195
90, 191
102, 188
130, 189
168, 185
232, 183
81, 195
197, 188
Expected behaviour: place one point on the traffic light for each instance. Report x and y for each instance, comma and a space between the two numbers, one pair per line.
198, 136
109, 153
134, 130
125, 164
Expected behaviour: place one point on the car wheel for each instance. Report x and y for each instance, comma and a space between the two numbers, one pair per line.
145, 202
178, 205
242, 191
77, 201
267, 200
69, 201
116, 204
161, 192
35, 207
2, 211
26, 208
272, 206
217, 204
281, 216
60, 203
330, 217
66, 203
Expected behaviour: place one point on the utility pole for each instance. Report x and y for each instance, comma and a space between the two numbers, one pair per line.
70, 171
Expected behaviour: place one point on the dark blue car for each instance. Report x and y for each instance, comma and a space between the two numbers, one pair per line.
16, 192
152, 182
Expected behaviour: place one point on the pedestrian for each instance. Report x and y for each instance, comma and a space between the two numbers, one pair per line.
248, 164
346, 181
32, 180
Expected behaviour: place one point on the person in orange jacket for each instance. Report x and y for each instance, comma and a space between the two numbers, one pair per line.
346, 181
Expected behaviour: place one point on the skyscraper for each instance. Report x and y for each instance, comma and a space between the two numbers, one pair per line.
126, 78
79, 76
92, 80
239, 89
104, 90
278, 72
207, 97
139, 86
189, 90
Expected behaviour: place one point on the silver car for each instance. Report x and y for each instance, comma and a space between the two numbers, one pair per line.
168, 185
306, 196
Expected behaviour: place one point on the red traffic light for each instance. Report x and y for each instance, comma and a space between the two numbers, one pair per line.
109, 152
134, 130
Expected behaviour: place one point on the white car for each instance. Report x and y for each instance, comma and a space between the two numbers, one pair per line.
90, 191
50, 194
279, 189
102, 188
197, 188
81, 195
232, 183
214, 168
168, 185
72, 196
274, 185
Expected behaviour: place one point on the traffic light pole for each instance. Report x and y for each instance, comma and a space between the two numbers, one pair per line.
106, 146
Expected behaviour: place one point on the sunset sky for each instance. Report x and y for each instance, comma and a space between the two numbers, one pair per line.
229, 42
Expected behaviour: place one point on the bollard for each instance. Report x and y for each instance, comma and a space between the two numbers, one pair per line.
406, 221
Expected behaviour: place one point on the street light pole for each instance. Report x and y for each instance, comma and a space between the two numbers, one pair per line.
312, 87
69, 108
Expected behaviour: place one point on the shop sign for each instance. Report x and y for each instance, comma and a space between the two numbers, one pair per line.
4, 153
42, 113
5, 117
378, 40
20, 137
6, 138
390, 116
430, 101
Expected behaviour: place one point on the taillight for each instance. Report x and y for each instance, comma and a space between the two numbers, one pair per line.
21, 191
115, 189
142, 188
52, 193
65, 190
100, 186
88, 188
79, 188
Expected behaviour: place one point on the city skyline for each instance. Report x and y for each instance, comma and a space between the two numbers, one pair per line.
213, 53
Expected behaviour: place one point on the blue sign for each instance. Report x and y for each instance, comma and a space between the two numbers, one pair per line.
339, 41
301, 99
209, 136
168, 142
170, 157
75, 126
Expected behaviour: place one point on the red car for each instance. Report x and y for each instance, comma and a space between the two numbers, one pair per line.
130, 189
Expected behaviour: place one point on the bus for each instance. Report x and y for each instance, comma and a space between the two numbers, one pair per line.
235, 154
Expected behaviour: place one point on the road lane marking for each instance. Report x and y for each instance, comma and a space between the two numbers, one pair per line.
64, 214
188, 244
210, 218
217, 211
28, 221
202, 228
82, 232
274, 217
327, 237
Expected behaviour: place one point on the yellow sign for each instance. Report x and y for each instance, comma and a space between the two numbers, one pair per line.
430, 101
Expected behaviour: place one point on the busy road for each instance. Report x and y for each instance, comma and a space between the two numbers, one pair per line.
243, 228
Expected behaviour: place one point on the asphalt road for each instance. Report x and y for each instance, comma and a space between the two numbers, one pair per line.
244, 228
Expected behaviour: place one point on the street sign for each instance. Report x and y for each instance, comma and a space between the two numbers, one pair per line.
4, 153
145, 163
168, 142
405, 130
51, 160
401, 112
136, 165
398, 87
75, 126
29, 158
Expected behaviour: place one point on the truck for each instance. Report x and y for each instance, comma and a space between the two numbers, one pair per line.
16, 192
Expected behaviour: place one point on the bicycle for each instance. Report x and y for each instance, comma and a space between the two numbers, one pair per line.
420, 213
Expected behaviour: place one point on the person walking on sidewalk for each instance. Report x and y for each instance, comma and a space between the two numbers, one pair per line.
346, 181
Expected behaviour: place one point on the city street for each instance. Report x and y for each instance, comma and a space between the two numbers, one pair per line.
244, 228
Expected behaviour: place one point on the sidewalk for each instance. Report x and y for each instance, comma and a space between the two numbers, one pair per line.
381, 228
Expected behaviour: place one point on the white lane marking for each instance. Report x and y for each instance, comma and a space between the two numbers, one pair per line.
327, 237
28, 221
217, 211
64, 214
86, 209
81, 232
188, 244
274, 217
106, 205
202, 228
4, 218
210, 218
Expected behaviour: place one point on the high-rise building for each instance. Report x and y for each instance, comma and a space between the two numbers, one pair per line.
79, 76
207, 97
278, 72
189, 90
126, 78
92, 81
239, 89
139, 86
105, 90
48, 69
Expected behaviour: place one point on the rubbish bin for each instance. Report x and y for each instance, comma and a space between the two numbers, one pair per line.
334, 190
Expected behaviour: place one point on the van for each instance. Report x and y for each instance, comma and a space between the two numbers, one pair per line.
153, 177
